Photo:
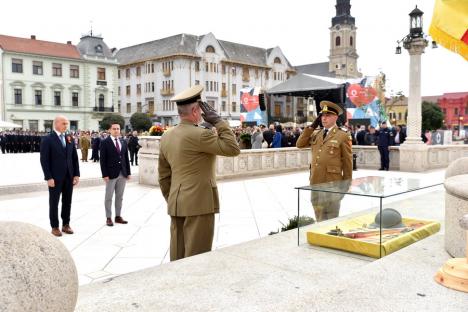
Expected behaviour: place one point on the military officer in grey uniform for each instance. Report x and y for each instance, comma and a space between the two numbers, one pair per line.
187, 176
332, 157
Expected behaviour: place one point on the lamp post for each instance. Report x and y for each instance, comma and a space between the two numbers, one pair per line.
415, 43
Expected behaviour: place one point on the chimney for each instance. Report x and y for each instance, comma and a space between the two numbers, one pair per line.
33, 37
68, 42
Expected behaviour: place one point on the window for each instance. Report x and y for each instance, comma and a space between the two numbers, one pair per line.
74, 98
139, 107
456, 110
56, 70
207, 83
47, 125
57, 98
98, 48
234, 107
399, 116
337, 41
197, 66
267, 75
118, 73
38, 97
33, 125
351, 41
152, 87
278, 109
101, 101
277, 60
210, 49
75, 71
129, 108
256, 73
152, 67
234, 91
233, 70
101, 73
37, 68
444, 111
223, 69
127, 73
138, 71
466, 110
73, 125
118, 106
18, 96
127, 90
211, 86
206, 67
118, 90
17, 65
151, 107
288, 110
197, 82
223, 106
139, 88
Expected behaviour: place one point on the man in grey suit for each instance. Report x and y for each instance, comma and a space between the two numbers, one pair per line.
115, 168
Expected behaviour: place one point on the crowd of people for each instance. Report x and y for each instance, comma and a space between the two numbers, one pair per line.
16, 141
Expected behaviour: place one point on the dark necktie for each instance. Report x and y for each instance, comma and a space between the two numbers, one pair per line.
325, 131
117, 146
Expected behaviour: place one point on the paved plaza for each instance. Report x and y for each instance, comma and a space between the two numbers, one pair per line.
250, 209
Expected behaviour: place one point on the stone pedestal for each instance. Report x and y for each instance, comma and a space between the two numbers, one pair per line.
414, 157
37, 273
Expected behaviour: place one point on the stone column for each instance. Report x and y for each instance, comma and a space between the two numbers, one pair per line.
415, 49
413, 152
148, 157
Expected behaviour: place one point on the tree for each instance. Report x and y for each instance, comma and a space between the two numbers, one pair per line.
140, 122
110, 119
432, 116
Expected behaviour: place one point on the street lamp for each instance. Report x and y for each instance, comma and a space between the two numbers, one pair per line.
415, 42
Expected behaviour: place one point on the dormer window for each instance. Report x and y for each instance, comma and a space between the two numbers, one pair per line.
98, 48
210, 49
277, 60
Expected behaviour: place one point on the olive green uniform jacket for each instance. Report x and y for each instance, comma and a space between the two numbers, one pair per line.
187, 173
332, 158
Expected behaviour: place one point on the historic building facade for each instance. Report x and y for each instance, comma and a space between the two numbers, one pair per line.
41, 79
151, 73
455, 108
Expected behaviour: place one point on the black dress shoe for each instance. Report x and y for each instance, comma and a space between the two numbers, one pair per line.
120, 220
381, 168
109, 222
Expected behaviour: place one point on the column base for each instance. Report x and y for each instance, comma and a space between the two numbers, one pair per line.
414, 156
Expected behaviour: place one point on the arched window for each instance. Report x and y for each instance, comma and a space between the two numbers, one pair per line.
351, 41
101, 101
98, 48
277, 60
337, 41
210, 49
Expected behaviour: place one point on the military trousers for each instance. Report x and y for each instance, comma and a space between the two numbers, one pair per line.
191, 235
84, 154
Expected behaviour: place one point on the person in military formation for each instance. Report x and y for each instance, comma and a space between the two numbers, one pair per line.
187, 173
85, 144
20, 141
385, 139
331, 158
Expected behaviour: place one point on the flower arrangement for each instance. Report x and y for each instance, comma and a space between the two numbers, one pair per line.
156, 130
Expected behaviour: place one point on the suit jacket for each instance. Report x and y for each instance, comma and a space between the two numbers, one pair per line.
56, 161
112, 163
332, 158
186, 167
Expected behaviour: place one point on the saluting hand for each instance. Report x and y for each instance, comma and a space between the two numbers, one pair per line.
209, 114
316, 122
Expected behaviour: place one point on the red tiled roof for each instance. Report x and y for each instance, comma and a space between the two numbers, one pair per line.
40, 47
454, 95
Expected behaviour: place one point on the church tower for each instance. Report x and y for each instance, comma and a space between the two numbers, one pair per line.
343, 56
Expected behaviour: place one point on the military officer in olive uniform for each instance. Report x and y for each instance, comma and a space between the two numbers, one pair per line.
187, 176
331, 158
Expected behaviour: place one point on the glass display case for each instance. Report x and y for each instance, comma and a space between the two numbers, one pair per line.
350, 215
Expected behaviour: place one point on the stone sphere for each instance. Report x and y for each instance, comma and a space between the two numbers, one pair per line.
37, 273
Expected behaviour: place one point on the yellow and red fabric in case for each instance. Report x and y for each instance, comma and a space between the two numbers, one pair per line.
449, 26
371, 247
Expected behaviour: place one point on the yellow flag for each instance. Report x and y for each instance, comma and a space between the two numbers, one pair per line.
449, 26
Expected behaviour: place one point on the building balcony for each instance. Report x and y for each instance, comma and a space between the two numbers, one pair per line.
101, 83
167, 72
103, 109
167, 91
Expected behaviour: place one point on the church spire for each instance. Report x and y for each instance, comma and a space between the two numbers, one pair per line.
343, 13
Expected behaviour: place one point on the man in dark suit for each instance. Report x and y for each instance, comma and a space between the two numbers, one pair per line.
115, 168
59, 162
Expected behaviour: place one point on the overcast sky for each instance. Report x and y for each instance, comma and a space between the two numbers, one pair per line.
299, 28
